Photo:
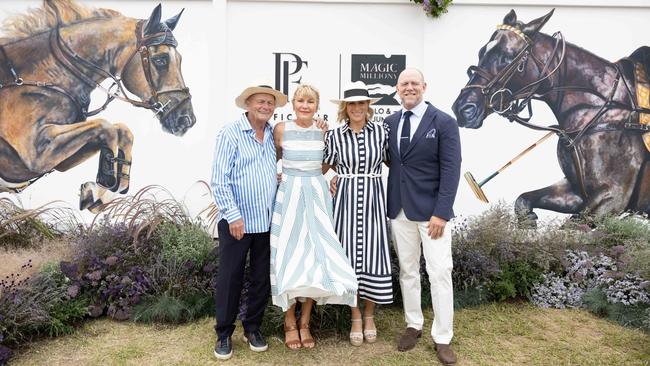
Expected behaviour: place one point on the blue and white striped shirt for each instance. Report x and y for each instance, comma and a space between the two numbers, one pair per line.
244, 177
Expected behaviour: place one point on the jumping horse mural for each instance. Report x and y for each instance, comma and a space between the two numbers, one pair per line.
51, 61
602, 109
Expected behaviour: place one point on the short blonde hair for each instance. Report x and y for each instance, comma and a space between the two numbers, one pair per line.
306, 91
342, 114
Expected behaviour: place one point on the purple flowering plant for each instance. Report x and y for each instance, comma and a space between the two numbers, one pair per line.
110, 270
5, 354
434, 8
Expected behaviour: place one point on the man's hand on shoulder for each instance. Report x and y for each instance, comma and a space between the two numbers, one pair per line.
436, 227
237, 229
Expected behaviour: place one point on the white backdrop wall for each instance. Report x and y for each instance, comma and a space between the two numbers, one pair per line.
228, 44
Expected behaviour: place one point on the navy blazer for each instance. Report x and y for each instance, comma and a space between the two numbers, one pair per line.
424, 184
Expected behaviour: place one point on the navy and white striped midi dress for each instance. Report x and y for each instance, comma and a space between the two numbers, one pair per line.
360, 206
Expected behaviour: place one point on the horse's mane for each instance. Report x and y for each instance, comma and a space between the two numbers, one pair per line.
37, 20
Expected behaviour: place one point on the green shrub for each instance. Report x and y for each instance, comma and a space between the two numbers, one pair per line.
173, 278
635, 316
515, 280
70, 310
638, 257
331, 319
179, 275
619, 230
170, 309
273, 320
184, 243
595, 301
65, 315
470, 297
484, 243
117, 271
43, 305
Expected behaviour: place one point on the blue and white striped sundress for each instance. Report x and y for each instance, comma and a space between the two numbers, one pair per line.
307, 259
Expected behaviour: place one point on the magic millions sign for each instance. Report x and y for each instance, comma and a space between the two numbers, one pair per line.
379, 73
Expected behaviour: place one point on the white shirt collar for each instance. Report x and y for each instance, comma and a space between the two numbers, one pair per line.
418, 110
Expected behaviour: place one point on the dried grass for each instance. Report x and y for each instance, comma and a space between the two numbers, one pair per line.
50, 250
25, 228
144, 211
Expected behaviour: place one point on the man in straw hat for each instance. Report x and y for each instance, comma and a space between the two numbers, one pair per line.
244, 182
424, 147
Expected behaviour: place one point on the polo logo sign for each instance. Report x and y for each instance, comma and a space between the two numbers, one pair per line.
287, 70
379, 73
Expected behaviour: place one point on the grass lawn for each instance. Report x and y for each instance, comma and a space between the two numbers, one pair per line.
494, 334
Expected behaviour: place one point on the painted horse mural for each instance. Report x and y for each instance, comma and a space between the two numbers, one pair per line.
51, 61
602, 109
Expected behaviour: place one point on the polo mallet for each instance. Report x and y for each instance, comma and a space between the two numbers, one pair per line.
476, 187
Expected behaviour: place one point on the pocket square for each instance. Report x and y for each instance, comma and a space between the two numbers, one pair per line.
431, 134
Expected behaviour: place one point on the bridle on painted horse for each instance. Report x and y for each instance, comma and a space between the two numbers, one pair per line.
509, 104
68, 58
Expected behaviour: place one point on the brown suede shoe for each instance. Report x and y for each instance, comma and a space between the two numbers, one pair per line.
409, 339
445, 354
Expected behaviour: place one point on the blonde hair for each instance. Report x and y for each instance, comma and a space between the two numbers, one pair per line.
342, 114
307, 91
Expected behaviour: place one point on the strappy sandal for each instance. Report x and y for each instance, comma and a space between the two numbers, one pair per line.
309, 341
293, 344
356, 338
370, 334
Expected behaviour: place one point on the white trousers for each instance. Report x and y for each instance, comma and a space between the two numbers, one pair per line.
407, 236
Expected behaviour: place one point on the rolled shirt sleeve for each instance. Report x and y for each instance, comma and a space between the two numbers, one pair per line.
224, 155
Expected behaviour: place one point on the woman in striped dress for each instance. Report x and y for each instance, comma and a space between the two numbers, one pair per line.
356, 151
307, 260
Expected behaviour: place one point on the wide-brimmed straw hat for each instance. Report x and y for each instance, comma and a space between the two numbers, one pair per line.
355, 92
260, 88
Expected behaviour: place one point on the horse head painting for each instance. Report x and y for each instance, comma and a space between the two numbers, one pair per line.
602, 109
51, 59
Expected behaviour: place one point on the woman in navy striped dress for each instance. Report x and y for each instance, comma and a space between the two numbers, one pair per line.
356, 150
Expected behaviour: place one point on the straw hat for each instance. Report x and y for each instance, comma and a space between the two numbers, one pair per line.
354, 92
280, 99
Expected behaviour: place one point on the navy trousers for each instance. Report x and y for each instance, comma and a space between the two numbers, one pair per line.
230, 279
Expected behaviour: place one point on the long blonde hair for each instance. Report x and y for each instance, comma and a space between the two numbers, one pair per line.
342, 114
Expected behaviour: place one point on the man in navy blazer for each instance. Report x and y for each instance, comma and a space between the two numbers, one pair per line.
424, 148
